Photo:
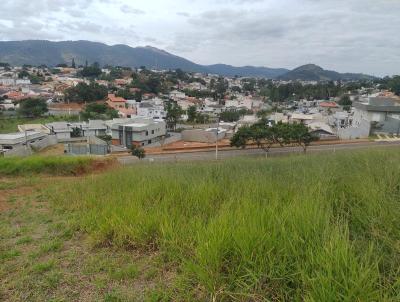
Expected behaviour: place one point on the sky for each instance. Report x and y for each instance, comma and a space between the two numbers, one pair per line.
342, 35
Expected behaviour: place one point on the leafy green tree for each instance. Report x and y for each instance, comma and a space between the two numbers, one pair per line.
32, 107
154, 84
86, 93
300, 135
73, 65
23, 74
221, 87
192, 113
98, 111
265, 136
260, 133
232, 115
36, 78
76, 132
394, 85
174, 113
345, 102
92, 71
138, 152
263, 113
126, 94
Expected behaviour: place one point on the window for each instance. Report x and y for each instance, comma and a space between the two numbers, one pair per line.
149, 141
147, 133
152, 131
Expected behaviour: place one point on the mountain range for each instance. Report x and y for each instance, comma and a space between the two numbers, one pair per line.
39, 52
312, 72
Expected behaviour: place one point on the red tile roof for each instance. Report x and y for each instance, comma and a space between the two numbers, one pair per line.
115, 99
328, 105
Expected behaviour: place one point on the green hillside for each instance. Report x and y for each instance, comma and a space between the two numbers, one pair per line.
304, 228
312, 72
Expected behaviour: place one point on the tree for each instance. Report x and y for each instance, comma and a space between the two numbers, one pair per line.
76, 132
202, 118
300, 135
232, 115
98, 111
36, 78
262, 134
174, 112
154, 85
192, 113
92, 71
138, 152
266, 136
23, 74
86, 93
73, 65
33, 107
394, 85
345, 102
263, 113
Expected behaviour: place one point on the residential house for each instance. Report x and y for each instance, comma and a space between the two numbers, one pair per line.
382, 112
151, 110
116, 102
138, 131
11, 141
322, 130
62, 130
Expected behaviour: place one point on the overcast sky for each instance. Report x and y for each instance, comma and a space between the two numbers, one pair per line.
344, 35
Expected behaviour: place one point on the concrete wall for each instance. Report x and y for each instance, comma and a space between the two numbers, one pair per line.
84, 149
360, 131
32, 147
391, 125
63, 136
202, 136
19, 151
50, 140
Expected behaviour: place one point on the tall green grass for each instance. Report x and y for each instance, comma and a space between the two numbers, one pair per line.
53, 165
307, 228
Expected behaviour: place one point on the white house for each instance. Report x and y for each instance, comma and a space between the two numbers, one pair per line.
151, 110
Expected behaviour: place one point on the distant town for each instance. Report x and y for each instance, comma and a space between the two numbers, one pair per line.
100, 110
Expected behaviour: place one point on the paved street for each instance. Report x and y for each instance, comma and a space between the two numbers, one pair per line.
210, 155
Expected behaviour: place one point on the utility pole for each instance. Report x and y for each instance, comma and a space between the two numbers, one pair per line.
216, 141
26, 139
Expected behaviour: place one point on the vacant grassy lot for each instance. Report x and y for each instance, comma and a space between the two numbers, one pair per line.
44, 256
317, 228
53, 165
8, 125
305, 228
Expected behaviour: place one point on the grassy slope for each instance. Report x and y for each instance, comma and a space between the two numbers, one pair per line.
8, 125
52, 165
317, 228
44, 257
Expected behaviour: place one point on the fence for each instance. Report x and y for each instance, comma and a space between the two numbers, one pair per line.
93, 146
